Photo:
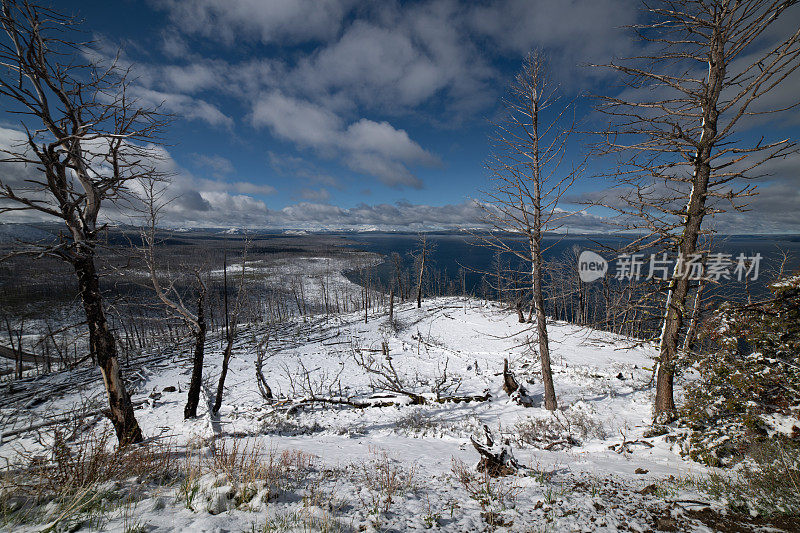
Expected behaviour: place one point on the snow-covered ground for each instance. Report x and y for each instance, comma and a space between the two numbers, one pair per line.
340, 449
311, 277
577, 477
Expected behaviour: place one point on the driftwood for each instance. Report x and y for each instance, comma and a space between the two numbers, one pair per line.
512, 387
496, 459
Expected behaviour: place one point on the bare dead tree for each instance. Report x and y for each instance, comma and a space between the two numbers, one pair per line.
677, 132
83, 140
526, 166
397, 265
421, 256
384, 375
231, 323
262, 353
153, 199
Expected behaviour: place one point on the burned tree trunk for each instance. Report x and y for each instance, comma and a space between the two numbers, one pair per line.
190, 411
102, 346
510, 384
226, 357
419, 281
686, 155
550, 402
261, 353
520, 313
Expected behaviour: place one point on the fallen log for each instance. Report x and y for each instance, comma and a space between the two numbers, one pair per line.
386, 400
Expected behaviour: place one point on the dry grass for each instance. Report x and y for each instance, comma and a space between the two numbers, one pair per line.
244, 463
81, 479
558, 431
492, 494
384, 480
89, 462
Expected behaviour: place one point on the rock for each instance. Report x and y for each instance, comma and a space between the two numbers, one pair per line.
666, 523
221, 499
171, 388
649, 489
641, 471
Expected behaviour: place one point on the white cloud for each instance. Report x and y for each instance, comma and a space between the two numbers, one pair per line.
173, 45
297, 167
192, 77
575, 33
298, 121
183, 105
267, 21
366, 146
246, 187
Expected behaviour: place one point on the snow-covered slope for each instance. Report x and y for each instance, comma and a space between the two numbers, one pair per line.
578, 476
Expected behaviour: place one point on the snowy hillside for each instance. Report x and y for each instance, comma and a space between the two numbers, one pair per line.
400, 467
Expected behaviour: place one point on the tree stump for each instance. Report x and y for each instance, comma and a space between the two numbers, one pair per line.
496, 459
515, 391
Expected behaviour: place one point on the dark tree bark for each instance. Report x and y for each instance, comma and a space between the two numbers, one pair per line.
102, 346
391, 305
193, 399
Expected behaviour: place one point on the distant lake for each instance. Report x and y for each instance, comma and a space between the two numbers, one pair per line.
454, 252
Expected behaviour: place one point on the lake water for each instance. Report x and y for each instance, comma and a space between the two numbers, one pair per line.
454, 252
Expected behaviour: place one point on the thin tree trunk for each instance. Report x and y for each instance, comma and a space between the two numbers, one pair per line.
223, 374
226, 357
688, 341
679, 286
103, 348
550, 402
391, 305
190, 411
419, 283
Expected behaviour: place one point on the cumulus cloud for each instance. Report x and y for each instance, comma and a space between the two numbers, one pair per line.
577, 32
186, 106
366, 146
297, 167
267, 21
385, 58
349, 69
392, 67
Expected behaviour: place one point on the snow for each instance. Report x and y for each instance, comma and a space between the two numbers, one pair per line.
310, 277
778, 423
602, 382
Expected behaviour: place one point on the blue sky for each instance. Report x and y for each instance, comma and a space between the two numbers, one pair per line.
338, 113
